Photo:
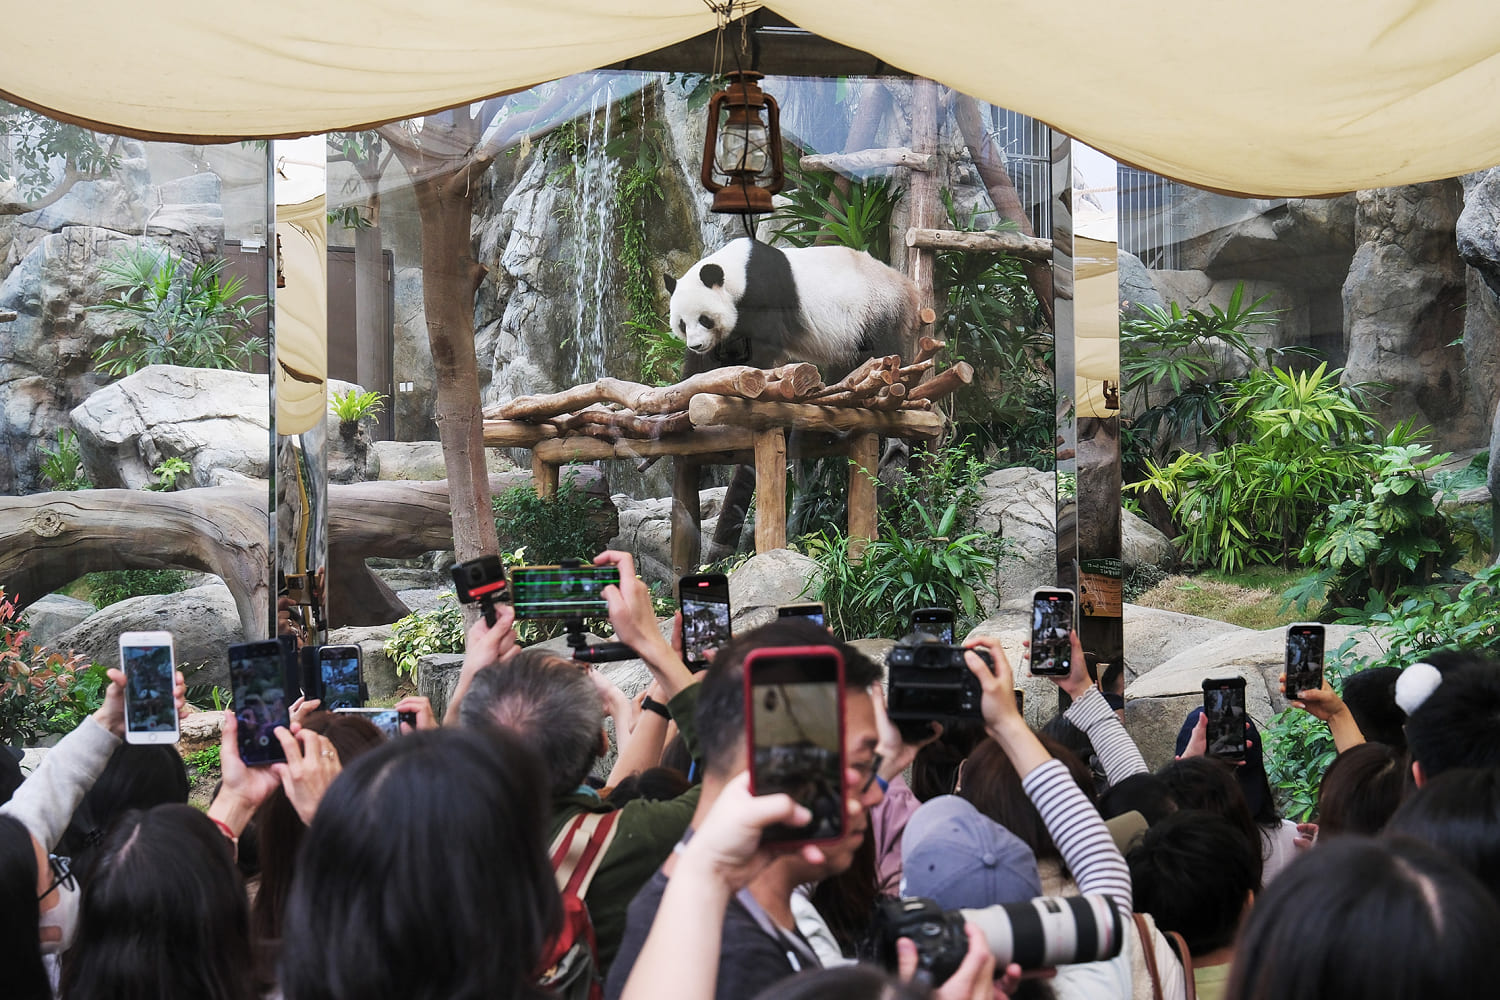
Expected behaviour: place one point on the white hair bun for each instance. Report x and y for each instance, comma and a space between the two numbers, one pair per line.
1415, 686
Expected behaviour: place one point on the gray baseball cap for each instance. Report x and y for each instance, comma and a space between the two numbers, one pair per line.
960, 858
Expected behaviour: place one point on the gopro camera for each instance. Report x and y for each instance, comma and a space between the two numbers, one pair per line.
480, 580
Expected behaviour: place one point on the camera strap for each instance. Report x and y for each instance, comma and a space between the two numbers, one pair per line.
799, 953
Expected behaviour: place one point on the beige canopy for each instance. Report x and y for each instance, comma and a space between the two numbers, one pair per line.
1279, 97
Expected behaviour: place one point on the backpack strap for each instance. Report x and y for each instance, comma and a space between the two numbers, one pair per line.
1148, 954
1186, 957
579, 850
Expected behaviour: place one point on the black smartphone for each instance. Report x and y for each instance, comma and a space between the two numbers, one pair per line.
704, 601
794, 724
1224, 705
561, 591
258, 676
387, 720
813, 611
937, 622
1021, 700
340, 677
1052, 618
1304, 657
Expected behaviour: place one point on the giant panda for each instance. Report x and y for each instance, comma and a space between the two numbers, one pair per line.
753, 304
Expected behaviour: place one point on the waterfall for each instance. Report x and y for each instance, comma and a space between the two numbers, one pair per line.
595, 178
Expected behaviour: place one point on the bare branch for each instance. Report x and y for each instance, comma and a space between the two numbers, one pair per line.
72, 175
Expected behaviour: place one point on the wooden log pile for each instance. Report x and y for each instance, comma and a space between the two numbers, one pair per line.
613, 409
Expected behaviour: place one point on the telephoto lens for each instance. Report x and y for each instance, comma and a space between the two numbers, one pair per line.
1041, 933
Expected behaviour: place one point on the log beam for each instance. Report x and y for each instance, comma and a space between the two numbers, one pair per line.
707, 410
737, 380
867, 159
698, 442
988, 241
687, 518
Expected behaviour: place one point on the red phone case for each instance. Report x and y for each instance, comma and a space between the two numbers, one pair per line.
791, 652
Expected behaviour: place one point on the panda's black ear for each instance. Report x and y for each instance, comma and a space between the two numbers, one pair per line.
671, 283
712, 275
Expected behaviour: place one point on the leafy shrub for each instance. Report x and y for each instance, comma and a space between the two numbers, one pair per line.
62, 463
41, 691
115, 585
172, 312
567, 525
203, 760
440, 630
351, 407
819, 210
168, 472
1473, 526
1297, 445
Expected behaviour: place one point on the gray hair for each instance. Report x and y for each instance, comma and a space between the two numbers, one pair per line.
547, 702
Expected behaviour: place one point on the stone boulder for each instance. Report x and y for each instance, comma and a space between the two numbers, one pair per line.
1478, 227
1158, 702
423, 460
191, 207
203, 622
211, 418
1297, 241
646, 531
1478, 235
1020, 505
437, 679
765, 581
53, 615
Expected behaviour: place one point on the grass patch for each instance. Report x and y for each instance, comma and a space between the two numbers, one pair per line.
1250, 598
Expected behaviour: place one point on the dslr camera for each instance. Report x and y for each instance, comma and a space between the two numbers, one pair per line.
931, 682
1041, 933
481, 580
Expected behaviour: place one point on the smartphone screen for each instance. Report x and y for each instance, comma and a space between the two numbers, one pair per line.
812, 611
257, 677
704, 601
795, 726
561, 591
936, 622
387, 720
1224, 704
150, 708
1304, 658
1051, 621
339, 677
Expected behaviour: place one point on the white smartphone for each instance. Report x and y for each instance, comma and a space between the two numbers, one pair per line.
150, 675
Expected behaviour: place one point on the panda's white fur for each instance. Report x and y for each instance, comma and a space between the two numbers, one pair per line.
842, 305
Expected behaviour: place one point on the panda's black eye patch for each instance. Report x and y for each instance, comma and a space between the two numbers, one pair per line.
706, 320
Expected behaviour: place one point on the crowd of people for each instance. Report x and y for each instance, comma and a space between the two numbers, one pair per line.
486, 855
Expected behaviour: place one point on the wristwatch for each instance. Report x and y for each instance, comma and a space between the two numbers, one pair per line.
648, 704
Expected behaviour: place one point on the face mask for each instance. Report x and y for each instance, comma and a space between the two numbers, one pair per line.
63, 916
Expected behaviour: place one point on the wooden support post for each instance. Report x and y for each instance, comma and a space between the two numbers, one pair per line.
922, 196
770, 490
687, 519
864, 463
543, 477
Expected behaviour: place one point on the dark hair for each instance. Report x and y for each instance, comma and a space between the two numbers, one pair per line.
1208, 784
1370, 696
846, 901
1077, 742
1194, 873
991, 783
721, 703
10, 774
425, 874
844, 982
136, 777
20, 914
1458, 813
281, 831
165, 914
1372, 920
1459, 723
546, 701
675, 755
935, 771
655, 784
1361, 789
1143, 793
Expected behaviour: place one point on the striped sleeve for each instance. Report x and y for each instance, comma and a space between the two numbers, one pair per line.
1117, 751
1080, 835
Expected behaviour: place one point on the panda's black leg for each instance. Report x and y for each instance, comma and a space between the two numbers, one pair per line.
731, 523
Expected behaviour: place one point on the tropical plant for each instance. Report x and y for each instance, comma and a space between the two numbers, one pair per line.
820, 209
173, 312
111, 586
353, 406
46, 158
62, 463
440, 630
41, 691
1298, 443
203, 761
1472, 525
1389, 536
1433, 617
168, 472
567, 525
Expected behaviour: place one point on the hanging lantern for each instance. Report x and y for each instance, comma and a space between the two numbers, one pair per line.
742, 152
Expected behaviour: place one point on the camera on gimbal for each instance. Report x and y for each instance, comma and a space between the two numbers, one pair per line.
481, 580
1040, 933
931, 682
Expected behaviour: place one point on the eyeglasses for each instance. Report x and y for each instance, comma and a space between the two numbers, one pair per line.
62, 874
